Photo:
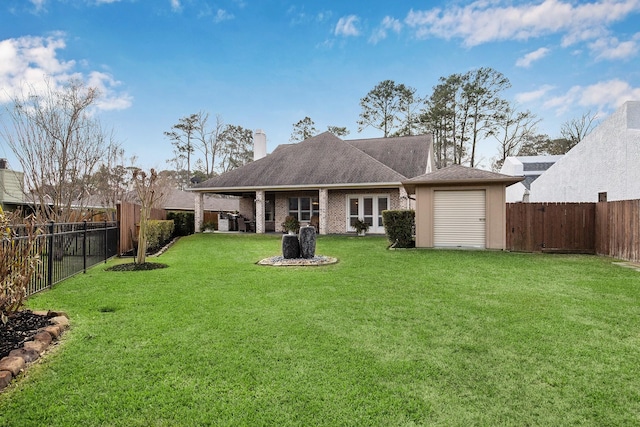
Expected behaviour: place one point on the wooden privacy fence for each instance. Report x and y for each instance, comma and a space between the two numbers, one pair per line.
551, 227
605, 228
618, 229
128, 218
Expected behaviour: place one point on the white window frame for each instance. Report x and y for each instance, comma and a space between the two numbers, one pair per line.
298, 213
377, 227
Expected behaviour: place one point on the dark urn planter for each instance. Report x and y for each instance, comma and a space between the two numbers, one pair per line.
290, 246
307, 242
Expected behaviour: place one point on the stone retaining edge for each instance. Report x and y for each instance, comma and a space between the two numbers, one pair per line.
17, 360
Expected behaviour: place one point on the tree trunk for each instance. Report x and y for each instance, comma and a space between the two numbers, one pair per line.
142, 237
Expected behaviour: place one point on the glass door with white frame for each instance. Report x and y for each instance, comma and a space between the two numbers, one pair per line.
369, 209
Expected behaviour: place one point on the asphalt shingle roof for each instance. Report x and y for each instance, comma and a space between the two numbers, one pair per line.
458, 174
327, 160
183, 200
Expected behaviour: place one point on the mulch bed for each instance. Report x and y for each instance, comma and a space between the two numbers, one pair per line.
137, 267
21, 327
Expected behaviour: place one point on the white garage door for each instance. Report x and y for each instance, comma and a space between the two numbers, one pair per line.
459, 219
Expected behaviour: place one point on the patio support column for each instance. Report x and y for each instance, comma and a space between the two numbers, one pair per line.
198, 212
323, 199
260, 228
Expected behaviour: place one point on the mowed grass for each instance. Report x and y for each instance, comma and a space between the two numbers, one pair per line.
383, 338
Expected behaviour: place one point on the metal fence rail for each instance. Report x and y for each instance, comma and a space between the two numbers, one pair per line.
66, 249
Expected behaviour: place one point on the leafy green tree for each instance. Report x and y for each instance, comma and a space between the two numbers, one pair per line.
302, 130
408, 114
381, 108
338, 131
463, 110
440, 119
182, 134
237, 147
486, 108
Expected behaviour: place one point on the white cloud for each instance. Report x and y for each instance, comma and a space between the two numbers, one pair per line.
222, 15
534, 95
605, 95
176, 6
31, 63
388, 23
110, 100
38, 4
611, 48
347, 26
531, 57
485, 21
298, 16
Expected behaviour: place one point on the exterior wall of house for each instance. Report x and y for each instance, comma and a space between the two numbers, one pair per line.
531, 167
11, 183
247, 208
336, 206
605, 161
495, 214
282, 204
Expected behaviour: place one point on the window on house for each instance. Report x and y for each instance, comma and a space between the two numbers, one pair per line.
304, 208
269, 210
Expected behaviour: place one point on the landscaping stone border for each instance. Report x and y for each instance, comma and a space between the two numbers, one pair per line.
17, 360
280, 261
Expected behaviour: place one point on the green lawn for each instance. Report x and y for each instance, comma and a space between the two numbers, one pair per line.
383, 338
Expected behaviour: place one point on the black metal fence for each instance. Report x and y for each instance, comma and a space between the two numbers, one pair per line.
66, 249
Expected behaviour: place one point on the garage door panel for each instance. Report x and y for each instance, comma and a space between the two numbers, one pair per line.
459, 219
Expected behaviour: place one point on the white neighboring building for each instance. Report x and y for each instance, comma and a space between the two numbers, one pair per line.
605, 161
531, 167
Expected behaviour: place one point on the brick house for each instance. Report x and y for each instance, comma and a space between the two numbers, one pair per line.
324, 180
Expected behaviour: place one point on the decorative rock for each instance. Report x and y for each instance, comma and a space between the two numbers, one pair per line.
53, 330
38, 346
12, 364
27, 355
5, 379
307, 242
43, 337
290, 246
60, 320
41, 313
57, 314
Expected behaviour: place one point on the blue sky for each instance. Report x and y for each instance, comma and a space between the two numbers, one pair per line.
267, 64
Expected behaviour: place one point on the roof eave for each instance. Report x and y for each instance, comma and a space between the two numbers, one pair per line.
299, 187
410, 186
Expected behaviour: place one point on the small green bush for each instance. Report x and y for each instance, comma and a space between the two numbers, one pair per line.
158, 233
208, 225
399, 226
183, 223
291, 223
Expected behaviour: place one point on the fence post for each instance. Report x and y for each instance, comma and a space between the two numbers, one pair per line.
84, 246
50, 255
106, 244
